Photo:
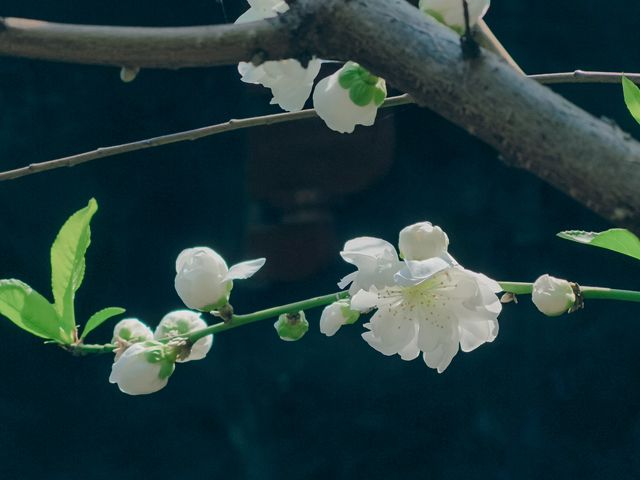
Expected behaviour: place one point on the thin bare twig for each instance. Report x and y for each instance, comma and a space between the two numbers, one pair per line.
579, 76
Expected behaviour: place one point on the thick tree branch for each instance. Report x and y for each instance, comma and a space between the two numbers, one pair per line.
531, 127
147, 47
579, 76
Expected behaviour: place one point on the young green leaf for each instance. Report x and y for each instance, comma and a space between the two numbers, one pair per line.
631, 97
31, 311
99, 318
617, 239
68, 263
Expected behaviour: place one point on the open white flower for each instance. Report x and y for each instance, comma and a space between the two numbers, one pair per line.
182, 322
377, 262
289, 81
427, 304
131, 330
451, 12
552, 296
349, 97
455, 308
203, 280
143, 368
335, 316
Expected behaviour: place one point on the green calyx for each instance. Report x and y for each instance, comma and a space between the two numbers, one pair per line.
363, 87
291, 326
350, 316
222, 301
165, 355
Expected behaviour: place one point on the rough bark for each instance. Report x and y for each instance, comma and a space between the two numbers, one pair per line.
529, 125
532, 127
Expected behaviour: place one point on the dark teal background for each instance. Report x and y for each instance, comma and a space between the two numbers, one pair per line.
550, 398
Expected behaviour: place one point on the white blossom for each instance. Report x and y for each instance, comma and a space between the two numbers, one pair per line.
451, 12
455, 308
421, 241
377, 262
289, 81
552, 296
349, 97
430, 305
131, 330
182, 322
335, 316
143, 368
203, 280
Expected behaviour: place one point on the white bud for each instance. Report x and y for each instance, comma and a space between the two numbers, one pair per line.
200, 279
336, 315
552, 296
203, 280
182, 322
422, 241
143, 368
131, 330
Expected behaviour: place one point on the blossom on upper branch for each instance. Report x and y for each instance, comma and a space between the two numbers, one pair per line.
430, 305
349, 97
451, 12
289, 81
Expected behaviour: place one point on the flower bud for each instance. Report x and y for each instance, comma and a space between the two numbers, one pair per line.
291, 326
203, 280
200, 279
349, 97
131, 330
182, 322
143, 368
552, 296
422, 241
336, 315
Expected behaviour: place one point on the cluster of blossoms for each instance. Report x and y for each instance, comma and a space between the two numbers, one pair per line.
145, 360
352, 95
425, 303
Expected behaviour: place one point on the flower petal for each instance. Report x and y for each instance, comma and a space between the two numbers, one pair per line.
243, 270
364, 300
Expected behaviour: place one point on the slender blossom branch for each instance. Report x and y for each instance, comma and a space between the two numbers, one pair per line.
578, 76
187, 135
518, 288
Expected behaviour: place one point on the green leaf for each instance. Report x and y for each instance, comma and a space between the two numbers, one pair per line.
68, 264
31, 311
631, 97
99, 318
617, 239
